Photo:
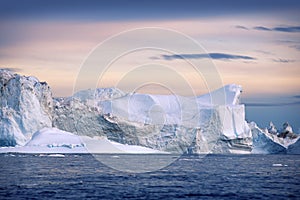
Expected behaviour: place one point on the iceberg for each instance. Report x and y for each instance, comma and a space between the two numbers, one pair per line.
209, 123
108, 120
269, 142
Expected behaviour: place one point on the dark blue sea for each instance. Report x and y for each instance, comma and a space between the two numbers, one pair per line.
28, 176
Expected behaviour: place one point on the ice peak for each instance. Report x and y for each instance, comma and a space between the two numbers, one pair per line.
5, 76
233, 93
99, 94
227, 95
272, 129
286, 128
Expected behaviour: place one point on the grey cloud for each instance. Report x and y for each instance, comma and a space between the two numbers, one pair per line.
283, 60
287, 29
264, 52
216, 56
154, 58
291, 43
241, 27
296, 46
261, 28
287, 41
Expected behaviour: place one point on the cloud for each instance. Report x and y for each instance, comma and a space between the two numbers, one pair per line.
287, 29
216, 56
271, 104
297, 96
12, 69
288, 41
290, 29
283, 60
264, 52
154, 58
241, 27
291, 43
261, 28
296, 46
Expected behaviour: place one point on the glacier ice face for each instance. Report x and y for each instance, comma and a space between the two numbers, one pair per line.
10, 133
164, 122
26, 107
263, 142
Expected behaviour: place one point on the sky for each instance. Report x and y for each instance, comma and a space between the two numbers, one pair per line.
255, 44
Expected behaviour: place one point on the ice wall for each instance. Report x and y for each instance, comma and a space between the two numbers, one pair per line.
164, 122
26, 107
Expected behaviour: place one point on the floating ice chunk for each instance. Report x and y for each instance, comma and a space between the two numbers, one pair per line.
56, 155
277, 165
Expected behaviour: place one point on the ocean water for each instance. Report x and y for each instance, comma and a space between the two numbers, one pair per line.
190, 177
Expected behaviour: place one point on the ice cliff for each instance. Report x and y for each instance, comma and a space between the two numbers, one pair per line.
208, 123
26, 107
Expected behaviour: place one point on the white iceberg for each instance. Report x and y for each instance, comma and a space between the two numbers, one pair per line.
268, 142
110, 120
